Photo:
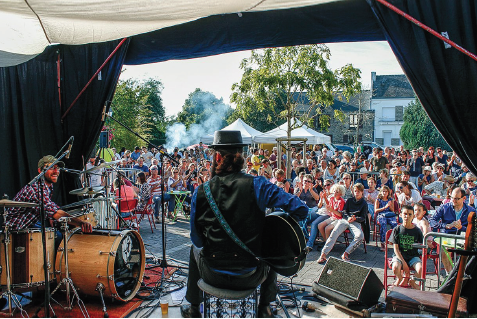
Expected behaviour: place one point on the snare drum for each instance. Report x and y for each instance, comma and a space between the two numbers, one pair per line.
115, 259
104, 220
26, 257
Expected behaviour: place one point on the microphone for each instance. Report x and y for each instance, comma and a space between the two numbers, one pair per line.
72, 139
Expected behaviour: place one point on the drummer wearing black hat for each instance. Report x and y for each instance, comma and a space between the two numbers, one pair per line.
242, 199
29, 217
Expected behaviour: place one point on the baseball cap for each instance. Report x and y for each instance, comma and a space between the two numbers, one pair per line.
49, 159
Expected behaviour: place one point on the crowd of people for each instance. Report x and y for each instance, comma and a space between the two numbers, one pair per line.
342, 191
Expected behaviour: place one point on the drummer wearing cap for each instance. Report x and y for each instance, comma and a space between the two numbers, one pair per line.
19, 218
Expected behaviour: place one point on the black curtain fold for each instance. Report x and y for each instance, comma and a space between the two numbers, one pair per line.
445, 80
30, 112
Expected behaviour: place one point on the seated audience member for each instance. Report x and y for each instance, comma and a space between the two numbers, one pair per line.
253, 172
421, 221
408, 195
299, 178
439, 188
281, 177
384, 179
451, 218
405, 177
266, 169
439, 172
317, 174
141, 166
331, 172
124, 193
405, 255
294, 169
348, 186
363, 178
306, 192
144, 192
469, 187
355, 218
248, 168
334, 207
384, 210
425, 178
370, 195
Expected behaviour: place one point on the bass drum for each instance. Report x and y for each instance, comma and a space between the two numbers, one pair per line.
104, 220
115, 259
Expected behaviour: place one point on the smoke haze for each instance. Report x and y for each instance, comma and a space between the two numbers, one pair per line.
212, 113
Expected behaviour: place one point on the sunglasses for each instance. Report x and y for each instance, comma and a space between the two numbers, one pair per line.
327, 185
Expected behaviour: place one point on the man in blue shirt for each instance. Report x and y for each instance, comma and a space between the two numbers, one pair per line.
242, 199
137, 152
451, 218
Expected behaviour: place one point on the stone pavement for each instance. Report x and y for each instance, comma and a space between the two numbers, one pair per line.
178, 245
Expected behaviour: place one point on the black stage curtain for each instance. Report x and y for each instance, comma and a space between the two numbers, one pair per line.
336, 21
445, 80
30, 111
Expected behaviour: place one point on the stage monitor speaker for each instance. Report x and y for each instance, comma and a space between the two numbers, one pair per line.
104, 139
348, 284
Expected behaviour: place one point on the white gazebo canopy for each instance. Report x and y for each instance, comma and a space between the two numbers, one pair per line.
312, 136
248, 132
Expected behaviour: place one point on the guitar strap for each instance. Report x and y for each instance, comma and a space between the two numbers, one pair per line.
222, 221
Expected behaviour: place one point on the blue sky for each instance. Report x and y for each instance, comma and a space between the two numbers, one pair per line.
216, 74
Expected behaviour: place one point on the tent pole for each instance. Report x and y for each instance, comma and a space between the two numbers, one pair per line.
94, 75
428, 29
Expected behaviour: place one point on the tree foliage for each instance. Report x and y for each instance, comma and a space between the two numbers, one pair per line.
138, 105
291, 83
418, 129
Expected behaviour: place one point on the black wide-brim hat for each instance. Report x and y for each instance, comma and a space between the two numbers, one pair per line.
227, 139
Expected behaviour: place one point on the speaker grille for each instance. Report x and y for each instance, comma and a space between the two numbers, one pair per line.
344, 277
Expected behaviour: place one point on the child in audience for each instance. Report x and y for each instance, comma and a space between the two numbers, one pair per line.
405, 255
384, 212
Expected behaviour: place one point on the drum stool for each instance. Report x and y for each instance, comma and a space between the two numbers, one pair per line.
226, 303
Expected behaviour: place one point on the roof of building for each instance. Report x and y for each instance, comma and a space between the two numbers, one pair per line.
340, 102
392, 86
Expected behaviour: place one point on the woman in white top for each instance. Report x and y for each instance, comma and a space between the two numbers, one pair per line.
331, 172
408, 196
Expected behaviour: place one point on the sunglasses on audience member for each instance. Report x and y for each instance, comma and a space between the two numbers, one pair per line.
327, 185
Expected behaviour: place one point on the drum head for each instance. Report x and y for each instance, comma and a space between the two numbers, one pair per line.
127, 266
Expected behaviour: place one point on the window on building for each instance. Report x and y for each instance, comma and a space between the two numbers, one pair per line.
388, 113
345, 139
354, 120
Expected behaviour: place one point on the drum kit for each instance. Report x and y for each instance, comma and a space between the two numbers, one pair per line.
108, 262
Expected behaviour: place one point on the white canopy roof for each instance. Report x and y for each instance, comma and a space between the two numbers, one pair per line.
248, 132
27, 28
313, 136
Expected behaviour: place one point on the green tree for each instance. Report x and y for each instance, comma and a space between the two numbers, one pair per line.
138, 105
292, 83
418, 129
200, 106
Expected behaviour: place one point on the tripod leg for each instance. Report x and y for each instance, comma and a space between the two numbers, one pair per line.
100, 289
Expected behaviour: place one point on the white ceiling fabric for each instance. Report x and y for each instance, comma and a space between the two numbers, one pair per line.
27, 27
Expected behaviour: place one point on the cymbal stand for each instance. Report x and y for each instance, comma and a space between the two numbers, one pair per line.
11, 297
67, 281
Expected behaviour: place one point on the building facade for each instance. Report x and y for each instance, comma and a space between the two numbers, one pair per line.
391, 94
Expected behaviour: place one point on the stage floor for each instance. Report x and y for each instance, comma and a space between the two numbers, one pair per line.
177, 252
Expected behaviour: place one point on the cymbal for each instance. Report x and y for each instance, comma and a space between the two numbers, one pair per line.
87, 191
11, 203
102, 165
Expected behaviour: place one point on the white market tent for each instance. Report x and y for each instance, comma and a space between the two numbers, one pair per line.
248, 132
313, 136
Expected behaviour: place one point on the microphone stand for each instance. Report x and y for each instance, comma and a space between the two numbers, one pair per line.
40, 178
163, 264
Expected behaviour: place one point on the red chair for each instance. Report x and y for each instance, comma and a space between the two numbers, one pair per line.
149, 211
389, 267
346, 238
427, 204
128, 206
